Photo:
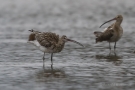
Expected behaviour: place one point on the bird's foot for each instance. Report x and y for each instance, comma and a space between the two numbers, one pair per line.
51, 64
110, 48
43, 58
114, 49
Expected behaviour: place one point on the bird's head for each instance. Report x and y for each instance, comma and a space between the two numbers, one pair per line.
31, 30
34, 31
117, 18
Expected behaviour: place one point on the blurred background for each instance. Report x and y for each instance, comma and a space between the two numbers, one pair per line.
75, 68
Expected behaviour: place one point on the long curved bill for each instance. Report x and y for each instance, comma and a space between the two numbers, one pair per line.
107, 22
75, 42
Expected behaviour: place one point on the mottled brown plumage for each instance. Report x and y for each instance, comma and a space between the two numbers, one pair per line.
104, 36
49, 42
47, 39
111, 34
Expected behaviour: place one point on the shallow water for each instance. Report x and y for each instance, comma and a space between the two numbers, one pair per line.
75, 68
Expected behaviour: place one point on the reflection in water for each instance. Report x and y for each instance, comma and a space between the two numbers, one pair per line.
111, 58
45, 74
20, 63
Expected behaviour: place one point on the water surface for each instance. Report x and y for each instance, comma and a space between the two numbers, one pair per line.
75, 68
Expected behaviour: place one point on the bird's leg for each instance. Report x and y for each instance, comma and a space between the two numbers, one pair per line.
109, 53
115, 54
52, 68
109, 46
43, 58
115, 46
52, 58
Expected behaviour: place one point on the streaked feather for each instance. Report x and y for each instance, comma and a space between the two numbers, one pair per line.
104, 36
97, 33
47, 39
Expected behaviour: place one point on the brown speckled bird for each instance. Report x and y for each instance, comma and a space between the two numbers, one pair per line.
111, 34
48, 42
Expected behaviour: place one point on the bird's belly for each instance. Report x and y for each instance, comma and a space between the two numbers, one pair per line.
115, 38
116, 35
48, 50
43, 49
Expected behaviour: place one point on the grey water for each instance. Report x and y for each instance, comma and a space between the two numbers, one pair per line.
75, 68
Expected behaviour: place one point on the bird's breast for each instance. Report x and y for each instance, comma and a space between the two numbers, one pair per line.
116, 36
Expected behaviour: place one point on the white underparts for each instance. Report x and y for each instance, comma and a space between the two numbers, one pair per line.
42, 48
34, 43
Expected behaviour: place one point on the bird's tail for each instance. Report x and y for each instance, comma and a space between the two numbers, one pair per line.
97, 34
98, 39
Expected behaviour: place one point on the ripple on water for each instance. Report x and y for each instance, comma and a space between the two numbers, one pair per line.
77, 68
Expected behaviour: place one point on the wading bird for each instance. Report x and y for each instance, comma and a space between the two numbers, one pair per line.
111, 34
48, 42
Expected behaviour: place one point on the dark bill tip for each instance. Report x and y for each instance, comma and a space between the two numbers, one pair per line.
75, 42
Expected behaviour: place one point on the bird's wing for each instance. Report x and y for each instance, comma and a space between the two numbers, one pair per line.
47, 39
106, 35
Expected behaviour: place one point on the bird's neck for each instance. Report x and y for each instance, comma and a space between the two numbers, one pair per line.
60, 45
118, 23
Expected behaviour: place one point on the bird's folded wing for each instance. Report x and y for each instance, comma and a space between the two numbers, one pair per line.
105, 36
47, 39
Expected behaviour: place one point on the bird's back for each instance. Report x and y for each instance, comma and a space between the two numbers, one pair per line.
47, 39
104, 36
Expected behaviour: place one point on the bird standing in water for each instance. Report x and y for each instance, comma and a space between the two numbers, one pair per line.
111, 34
48, 42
